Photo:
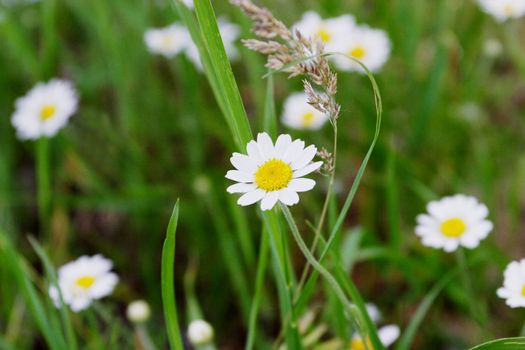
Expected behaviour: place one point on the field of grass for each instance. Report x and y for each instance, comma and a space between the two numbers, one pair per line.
150, 130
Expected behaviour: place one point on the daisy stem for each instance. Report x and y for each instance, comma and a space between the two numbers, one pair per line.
350, 308
43, 182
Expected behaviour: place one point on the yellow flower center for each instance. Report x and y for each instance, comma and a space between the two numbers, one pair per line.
359, 344
454, 227
508, 9
324, 35
85, 281
167, 42
47, 112
308, 119
273, 175
357, 52
523, 290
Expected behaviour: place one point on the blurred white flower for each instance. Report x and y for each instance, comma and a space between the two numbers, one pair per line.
331, 31
45, 109
167, 41
84, 280
229, 33
200, 332
514, 284
492, 47
452, 222
503, 10
272, 173
138, 311
299, 114
387, 335
373, 312
370, 46
189, 3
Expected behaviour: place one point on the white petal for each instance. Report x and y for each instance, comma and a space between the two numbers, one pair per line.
239, 176
288, 196
251, 197
241, 188
293, 151
265, 145
306, 157
307, 169
243, 162
301, 185
253, 152
388, 334
281, 145
269, 200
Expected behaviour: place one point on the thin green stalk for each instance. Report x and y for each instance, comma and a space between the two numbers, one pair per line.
43, 182
167, 282
259, 288
144, 338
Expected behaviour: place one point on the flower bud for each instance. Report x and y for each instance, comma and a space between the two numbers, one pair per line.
138, 311
200, 332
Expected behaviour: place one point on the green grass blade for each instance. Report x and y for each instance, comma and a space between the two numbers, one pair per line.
270, 118
167, 282
503, 344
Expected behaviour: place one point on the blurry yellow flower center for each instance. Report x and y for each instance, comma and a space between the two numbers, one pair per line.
454, 227
324, 35
308, 119
85, 281
47, 112
273, 175
167, 42
357, 52
523, 290
508, 9
359, 344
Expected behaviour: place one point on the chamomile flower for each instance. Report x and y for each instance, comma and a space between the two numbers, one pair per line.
452, 222
229, 33
299, 114
45, 109
200, 332
84, 280
271, 173
167, 41
503, 10
387, 335
370, 46
514, 284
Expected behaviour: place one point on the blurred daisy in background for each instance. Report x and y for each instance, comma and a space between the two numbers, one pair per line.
229, 33
81, 281
503, 10
138, 311
200, 332
45, 109
299, 114
167, 41
387, 335
271, 173
370, 46
514, 284
331, 31
454, 221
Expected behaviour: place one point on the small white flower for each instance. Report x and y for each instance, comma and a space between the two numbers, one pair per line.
370, 46
84, 280
167, 41
503, 10
492, 47
331, 31
138, 311
387, 335
229, 33
452, 222
45, 109
272, 173
514, 284
200, 332
373, 312
299, 114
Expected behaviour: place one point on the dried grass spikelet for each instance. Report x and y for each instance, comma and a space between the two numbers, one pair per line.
291, 52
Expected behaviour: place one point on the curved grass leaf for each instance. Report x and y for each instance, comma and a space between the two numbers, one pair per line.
502, 344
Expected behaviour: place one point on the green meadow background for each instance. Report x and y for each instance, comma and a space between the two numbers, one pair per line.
148, 131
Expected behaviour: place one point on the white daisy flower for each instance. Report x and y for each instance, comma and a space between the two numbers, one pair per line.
331, 31
229, 33
167, 41
514, 284
200, 332
387, 335
271, 173
370, 46
452, 222
84, 280
503, 10
45, 109
299, 114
